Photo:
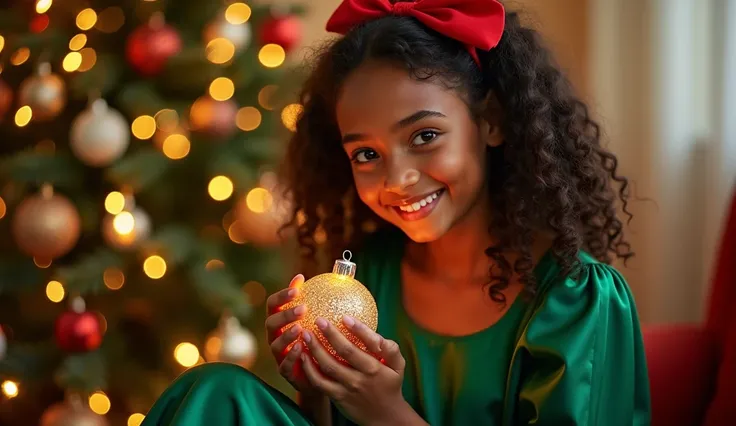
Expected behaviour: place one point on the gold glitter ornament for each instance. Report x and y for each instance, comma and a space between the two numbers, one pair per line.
332, 296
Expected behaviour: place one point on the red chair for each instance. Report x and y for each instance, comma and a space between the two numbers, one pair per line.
692, 367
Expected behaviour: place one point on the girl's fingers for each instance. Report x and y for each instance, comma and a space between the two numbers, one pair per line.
281, 297
279, 320
323, 384
351, 353
328, 365
370, 338
279, 345
288, 365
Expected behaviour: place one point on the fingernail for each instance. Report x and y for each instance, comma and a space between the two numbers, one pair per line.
299, 310
297, 347
348, 320
304, 357
292, 292
307, 336
295, 330
321, 323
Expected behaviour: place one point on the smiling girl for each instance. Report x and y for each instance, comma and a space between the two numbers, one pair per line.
447, 123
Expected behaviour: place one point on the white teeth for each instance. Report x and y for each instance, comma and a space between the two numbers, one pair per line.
420, 204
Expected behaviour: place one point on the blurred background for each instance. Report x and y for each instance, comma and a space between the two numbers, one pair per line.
138, 203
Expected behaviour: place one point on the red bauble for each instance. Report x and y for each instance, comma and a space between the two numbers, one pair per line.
286, 31
77, 330
150, 46
6, 99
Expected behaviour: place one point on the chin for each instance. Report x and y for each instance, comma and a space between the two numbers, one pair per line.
423, 235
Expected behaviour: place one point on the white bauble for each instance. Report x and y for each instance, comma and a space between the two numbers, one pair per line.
100, 135
240, 35
231, 342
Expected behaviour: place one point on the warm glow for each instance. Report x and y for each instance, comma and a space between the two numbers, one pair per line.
235, 234
113, 278
23, 116
78, 42
220, 188
42, 6
143, 127
114, 202
3, 208
167, 120
237, 13
248, 118
110, 20
55, 291
176, 146
290, 115
10, 388
259, 200
272, 55
220, 50
256, 292
265, 95
86, 19
2, 43
222, 89
136, 419
20, 56
123, 223
89, 58
72, 61
99, 403
214, 264
42, 263
154, 267
186, 354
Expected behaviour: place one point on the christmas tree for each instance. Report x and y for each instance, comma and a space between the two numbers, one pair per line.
139, 208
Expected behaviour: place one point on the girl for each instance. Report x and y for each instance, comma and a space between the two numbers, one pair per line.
447, 124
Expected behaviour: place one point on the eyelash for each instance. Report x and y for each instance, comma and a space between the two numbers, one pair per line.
436, 134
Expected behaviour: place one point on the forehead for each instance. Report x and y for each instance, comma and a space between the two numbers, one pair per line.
381, 94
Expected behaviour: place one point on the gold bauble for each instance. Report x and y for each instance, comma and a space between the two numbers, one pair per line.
332, 296
71, 413
140, 233
231, 342
99, 135
44, 92
46, 225
213, 118
260, 218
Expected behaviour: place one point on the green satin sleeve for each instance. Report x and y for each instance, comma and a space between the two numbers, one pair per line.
223, 395
580, 357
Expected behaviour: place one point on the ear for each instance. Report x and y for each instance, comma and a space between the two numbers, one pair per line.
491, 121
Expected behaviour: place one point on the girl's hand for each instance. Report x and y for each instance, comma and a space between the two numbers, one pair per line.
368, 390
289, 363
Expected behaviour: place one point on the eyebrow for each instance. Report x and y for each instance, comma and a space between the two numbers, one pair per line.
404, 122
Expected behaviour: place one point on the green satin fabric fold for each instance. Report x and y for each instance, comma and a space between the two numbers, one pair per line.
579, 357
219, 394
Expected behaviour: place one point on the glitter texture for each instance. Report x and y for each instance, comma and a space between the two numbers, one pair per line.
331, 296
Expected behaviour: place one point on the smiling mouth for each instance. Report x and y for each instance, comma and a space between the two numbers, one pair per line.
419, 209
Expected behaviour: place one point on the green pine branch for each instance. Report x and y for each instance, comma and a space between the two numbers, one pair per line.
139, 169
86, 275
31, 167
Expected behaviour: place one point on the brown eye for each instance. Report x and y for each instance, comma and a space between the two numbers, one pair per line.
364, 155
424, 137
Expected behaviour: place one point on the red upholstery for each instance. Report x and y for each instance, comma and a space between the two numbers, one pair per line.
692, 368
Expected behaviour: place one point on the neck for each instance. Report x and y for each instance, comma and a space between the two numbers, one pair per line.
458, 256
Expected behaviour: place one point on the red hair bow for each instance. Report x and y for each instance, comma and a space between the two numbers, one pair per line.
476, 23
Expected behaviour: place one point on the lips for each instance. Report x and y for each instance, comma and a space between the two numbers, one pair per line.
419, 208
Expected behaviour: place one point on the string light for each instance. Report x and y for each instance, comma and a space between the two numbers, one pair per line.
220, 50
222, 89
258, 200
265, 95
256, 292
123, 223
136, 419
20, 56
42, 6
78, 42
114, 202
3, 208
176, 146
290, 115
55, 291
220, 188
99, 403
10, 388
113, 278
23, 116
167, 120
42, 263
86, 19
214, 264
248, 118
186, 354
235, 234
237, 13
72, 61
2, 43
154, 267
110, 20
272, 55
143, 127
89, 59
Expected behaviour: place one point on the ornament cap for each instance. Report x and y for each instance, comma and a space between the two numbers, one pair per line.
344, 266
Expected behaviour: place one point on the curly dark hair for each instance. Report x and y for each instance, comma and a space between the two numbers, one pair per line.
550, 175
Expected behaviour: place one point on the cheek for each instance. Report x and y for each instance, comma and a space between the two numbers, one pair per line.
460, 166
368, 186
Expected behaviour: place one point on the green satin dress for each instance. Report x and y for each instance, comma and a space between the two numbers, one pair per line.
571, 356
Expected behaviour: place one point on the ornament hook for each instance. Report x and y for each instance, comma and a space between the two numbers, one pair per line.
347, 255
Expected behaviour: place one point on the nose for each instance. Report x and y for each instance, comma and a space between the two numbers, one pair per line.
400, 178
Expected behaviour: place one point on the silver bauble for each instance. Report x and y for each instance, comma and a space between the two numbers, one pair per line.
44, 92
100, 135
231, 342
